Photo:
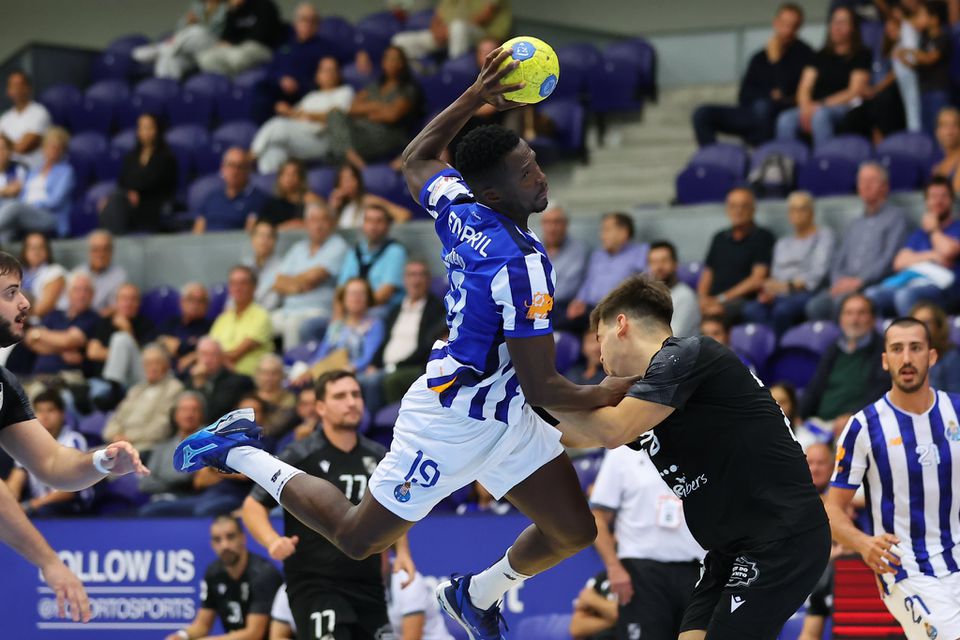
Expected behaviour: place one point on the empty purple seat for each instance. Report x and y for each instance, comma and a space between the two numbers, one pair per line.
124, 141
84, 150
386, 417
731, 157
127, 43
112, 65
587, 467
567, 350
236, 103
568, 117
300, 353
828, 176
160, 304
238, 133
59, 100
91, 115
614, 86
575, 69
467, 63
793, 364
690, 272
955, 330
336, 29
641, 53
119, 495
207, 84
815, 335
218, 300
322, 180
109, 164
440, 89
704, 184
419, 20
156, 94
86, 217
371, 42
190, 108
851, 147
251, 79
583, 54
110, 91
906, 172
187, 142
200, 189
382, 23
793, 149
756, 342
908, 143
384, 181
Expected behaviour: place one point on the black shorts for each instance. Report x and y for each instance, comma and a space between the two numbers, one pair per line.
661, 594
751, 595
322, 613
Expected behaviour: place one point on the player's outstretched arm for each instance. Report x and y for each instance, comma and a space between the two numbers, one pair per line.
612, 427
199, 628
421, 158
62, 467
874, 550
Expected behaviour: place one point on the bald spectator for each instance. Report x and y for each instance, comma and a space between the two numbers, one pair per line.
279, 413
308, 274
107, 276
662, 266
236, 205
143, 417
243, 330
820, 459
456, 26
60, 341
567, 255
738, 261
180, 334
25, 122
251, 30
262, 258
220, 388
867, 247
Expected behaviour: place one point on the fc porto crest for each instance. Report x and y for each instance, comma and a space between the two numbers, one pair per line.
952, 430
402, 492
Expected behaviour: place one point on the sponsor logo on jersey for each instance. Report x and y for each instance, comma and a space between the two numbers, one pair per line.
736, 602
325, 466
221, 588
402, 492
683, 487
841, 452
952, 430
895, 441
743, 573
649, 443
540, 307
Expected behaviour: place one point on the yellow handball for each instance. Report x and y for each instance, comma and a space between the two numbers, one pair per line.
539, 69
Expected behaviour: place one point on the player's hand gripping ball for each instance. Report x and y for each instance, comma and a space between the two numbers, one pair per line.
538, 68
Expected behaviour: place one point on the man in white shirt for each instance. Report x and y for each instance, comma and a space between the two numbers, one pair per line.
662, 266
654, 562
24, 123
107, 277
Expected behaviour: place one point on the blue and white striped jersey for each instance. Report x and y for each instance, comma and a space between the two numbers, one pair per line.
501, 285
909, 466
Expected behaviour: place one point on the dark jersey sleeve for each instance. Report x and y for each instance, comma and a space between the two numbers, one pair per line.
292, 455
669, 379
14, 403
263, 587
208, 599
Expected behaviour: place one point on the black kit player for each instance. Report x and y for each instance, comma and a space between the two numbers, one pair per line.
722, 444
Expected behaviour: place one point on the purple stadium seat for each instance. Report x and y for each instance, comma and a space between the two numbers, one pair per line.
382, 23
300, 353
322, 180
85, 150
207, 84
265, 182
467, 63
164, 89
576, 64
112, 65
218, 300
614, 86
792, 364
234, 104
382, 180
704, 184
109, 164
91, 115
190, 108
86, 217
200, 189
440, 89
690, 272
550, 626
567, 350
724, 155
124, 141
828, 176
587, 468
126, 44
815, 335
371, 42
756, 342
871, 34
110, 91
336, 29
160, 304
59, 100
852, 147
794, 149
187, 142
909, 143
419, 20
584, 54
119, 495
439, 286
955, 330
641, 53
569, 118
352, 76
251, 79
238, 133
906, 172
386, 417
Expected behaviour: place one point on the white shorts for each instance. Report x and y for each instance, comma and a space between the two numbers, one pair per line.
926, 607
435, 452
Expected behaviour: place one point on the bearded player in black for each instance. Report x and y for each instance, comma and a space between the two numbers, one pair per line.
722, 444
332, 597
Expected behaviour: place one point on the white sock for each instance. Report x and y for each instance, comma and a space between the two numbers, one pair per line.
270, 473
487, 587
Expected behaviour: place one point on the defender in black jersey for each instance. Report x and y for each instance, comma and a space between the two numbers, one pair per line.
724, 447
331, 595
238, 586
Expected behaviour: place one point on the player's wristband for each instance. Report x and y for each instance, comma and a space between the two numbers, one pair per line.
182, 633
98, 458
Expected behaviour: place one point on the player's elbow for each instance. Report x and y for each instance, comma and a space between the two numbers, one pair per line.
613, 436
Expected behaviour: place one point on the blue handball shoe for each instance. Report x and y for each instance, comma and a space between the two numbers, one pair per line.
209, 446
478, 623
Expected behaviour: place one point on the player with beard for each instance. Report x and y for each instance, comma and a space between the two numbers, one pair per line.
721, 443
238, 586
60, 467
904, 449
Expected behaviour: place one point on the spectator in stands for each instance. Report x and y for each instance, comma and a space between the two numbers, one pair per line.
926, 268
299, 131
358, 334
768, 87
379, 120
60, 342
591, 370
294, 62
307, 413
280, 409
820, 459
662, 266
378, 259
800, 265
237, 203
107, 276
180, 334
308, 274
945, 372
12, 173
143, 416
349, 200
219, 387
931, 60
738, 261
265, 263
147, 185
617, 258
113, 352
251, 30
867, 246
45, 200
838, 74
457, 26
36, 498
568, 257
595, 611
284, 207
200, 28
806, 433
43, 279
716, 327
411, 328
850, 375
26, 122
243, 329
948, 137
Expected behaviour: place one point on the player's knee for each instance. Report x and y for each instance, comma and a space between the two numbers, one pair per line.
356, 547
580, 533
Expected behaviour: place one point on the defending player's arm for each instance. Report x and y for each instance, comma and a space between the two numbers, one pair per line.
612, 427
199, 628
421, 158
256, 519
